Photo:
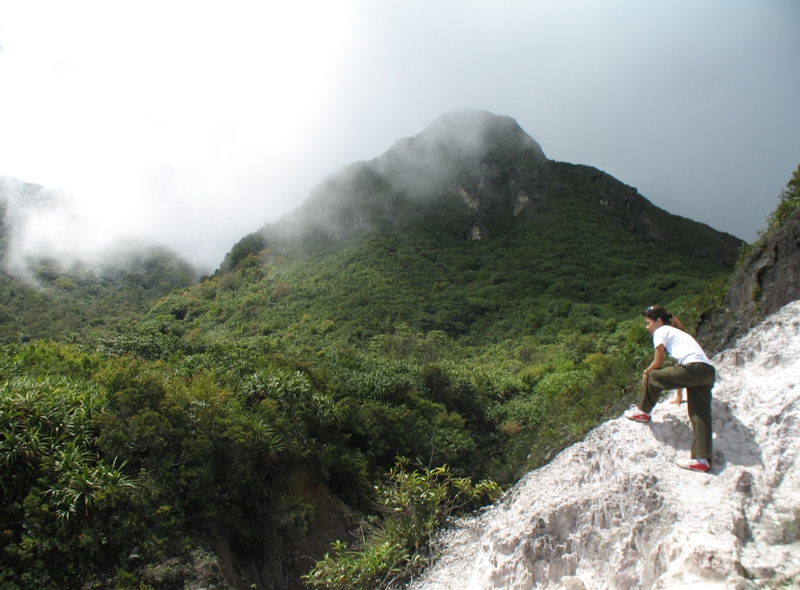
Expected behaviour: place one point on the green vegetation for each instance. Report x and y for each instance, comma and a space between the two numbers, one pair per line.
164, 446
788, 203
55, 301
192, 436
157, 434
412, 505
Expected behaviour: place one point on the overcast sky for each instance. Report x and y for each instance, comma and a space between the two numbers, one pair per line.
195, 123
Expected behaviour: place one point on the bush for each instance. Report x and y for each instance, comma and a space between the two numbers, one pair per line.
788, 203
413, 504
59, 492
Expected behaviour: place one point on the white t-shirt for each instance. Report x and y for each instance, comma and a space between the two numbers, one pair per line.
679, 345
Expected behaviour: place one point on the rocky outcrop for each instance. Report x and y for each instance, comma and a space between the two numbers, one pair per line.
520, 190
614, 511
766, 279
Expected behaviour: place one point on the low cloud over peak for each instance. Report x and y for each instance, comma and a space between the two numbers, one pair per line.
195, 125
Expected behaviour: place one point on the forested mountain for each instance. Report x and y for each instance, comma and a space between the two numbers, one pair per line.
468, 229
460, 302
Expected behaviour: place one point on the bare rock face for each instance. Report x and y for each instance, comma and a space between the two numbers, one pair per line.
615, 511
766, 279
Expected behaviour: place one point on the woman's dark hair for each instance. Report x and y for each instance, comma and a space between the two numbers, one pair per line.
656, 312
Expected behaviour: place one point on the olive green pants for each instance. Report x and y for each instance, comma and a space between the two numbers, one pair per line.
698, 379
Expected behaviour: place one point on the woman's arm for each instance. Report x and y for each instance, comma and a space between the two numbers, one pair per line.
658, 360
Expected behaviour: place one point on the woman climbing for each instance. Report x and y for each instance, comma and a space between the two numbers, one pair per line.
693, 371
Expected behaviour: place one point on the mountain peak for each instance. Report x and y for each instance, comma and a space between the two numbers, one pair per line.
614, 511
471, 133
473, 175
475, 159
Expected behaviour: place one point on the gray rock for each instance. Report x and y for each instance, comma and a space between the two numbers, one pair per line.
767, 278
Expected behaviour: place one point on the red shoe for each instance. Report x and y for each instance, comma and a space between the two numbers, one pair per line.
635, 414
694, 464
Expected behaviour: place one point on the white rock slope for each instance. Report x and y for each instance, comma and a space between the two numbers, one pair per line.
614, 511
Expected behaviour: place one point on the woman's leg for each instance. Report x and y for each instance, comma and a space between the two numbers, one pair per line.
698, 379
699, 401
660, 380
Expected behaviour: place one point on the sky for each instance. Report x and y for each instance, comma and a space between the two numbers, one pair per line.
192, 124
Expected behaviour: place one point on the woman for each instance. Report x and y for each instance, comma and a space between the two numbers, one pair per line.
693, 371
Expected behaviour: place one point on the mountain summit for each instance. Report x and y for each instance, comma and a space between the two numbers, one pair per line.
488, 169
473, 160
467, 226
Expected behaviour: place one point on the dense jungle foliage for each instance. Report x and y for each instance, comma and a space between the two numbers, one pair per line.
357, 389
76, 301
155, 447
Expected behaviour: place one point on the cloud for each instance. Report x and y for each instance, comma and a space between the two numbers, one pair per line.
194, 124
174, 122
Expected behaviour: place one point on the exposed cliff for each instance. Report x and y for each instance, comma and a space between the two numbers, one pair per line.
767, 278
614, 511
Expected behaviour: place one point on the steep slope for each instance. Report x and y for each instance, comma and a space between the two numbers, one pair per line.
614, 511
498, 177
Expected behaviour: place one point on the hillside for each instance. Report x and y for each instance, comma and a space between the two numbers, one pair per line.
42, 296
614, 511
473, 175
467, 229
452, 313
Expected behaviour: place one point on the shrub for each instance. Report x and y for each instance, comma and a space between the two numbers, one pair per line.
413, 503
788, 203
59, 492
